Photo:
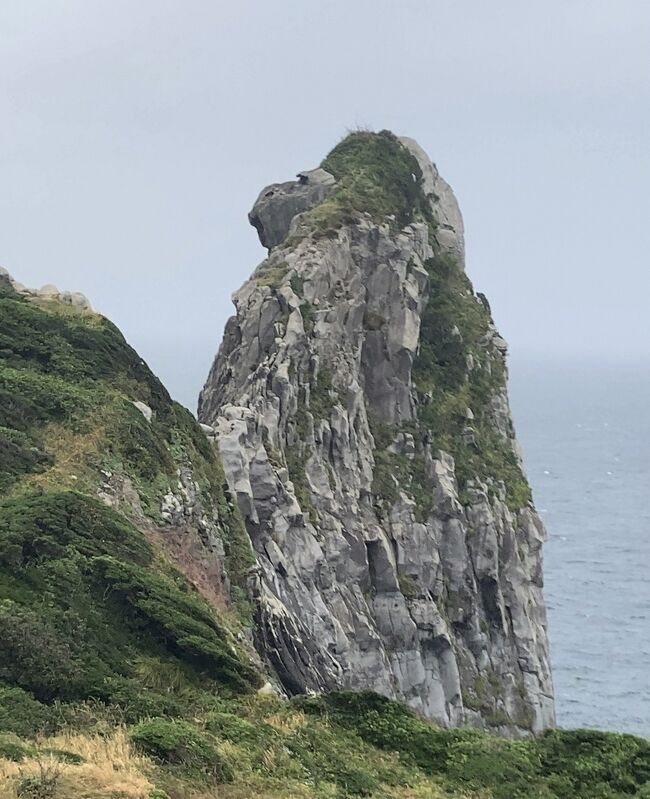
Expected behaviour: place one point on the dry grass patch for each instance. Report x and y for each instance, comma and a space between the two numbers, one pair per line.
287, 723
111, 769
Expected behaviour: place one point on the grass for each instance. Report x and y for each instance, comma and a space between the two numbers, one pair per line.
375, 175
108, 766
341, 746
272, 276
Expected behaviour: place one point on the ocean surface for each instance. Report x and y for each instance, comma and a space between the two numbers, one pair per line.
585, 435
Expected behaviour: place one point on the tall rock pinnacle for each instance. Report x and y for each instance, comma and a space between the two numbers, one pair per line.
360, 407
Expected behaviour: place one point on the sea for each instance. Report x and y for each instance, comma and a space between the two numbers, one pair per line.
585, 433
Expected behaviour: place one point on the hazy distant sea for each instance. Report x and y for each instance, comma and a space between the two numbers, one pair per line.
585, 432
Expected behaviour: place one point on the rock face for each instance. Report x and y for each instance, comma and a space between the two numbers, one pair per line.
279, 204
359, 403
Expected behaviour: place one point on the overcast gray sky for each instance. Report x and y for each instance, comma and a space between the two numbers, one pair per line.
136, 135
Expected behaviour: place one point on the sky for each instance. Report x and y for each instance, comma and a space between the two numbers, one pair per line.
135, 137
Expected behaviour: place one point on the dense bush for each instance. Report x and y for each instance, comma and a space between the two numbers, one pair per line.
83, 602
237, 729
22, 715
75, 621
35, 656
593, 763
68, 380
74, 347
580, 764
385, 724
179, 618
19, 454
56, 368
181, 744
46, 526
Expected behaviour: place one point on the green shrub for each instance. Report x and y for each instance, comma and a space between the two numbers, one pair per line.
74, 347
181, 744
385, 724
140, 445
323, 396
297, 283
29, 397
134, 702
74, 370
238, 730
296, 459
330, 756
23, 715
19, 454
75, 622
181, 619
308, 316
33, 654
594, 764
45, 526
561, 764
393, 471
12, 748
510, 769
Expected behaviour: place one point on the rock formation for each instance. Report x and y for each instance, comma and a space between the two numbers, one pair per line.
359, 403
47, 293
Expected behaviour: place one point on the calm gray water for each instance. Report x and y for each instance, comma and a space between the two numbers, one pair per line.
585, 432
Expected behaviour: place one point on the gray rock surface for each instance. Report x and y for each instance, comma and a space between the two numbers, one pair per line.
278, 204
355, 588
144, 409
48, 292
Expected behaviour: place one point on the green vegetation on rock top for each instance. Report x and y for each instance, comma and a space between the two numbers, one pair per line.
376, 175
